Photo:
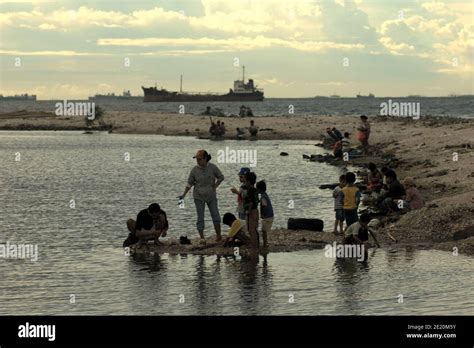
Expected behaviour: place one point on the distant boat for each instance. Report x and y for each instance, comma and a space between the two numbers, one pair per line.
25, 96
112, 96
242, 92
321, 97
370, 96
334, 96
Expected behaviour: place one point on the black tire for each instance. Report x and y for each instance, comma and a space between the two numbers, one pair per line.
306, 224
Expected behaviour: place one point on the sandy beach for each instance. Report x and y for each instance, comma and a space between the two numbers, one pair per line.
436, 152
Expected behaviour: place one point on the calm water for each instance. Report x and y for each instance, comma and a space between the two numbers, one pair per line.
452, 107
80, 250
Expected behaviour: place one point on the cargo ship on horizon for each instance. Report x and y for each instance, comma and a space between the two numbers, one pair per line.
370, 96
112, 96
242, 92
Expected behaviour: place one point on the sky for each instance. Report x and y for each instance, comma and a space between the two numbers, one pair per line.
299, 48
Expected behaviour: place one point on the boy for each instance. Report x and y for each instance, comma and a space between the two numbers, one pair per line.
236, 231
266, 211
241, 193
346, 143
338, 204
352, 197
358, 232
251, 208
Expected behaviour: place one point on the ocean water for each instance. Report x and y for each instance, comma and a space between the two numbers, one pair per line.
450, 107
81, 259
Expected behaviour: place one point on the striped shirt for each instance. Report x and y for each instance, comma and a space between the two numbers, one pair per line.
338, 198
346, 144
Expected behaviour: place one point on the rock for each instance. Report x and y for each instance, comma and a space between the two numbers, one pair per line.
283, 153
432, 205
438, 173
465, 233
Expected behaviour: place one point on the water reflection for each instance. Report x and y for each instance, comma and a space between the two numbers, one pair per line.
351, 277
207, 285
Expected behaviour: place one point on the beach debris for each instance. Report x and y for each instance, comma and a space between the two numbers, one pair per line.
465, 233
392, 237
306, 224
283, 153
184, 240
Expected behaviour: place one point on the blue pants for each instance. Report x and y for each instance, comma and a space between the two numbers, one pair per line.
213, 209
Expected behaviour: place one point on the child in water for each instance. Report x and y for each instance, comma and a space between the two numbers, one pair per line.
266, 211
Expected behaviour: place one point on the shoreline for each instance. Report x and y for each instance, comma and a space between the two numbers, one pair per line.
436, 151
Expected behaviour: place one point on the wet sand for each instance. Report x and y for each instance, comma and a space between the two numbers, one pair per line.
436, 152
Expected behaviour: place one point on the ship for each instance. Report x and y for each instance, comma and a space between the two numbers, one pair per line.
113, 96
23, 97
241, 92
370, 96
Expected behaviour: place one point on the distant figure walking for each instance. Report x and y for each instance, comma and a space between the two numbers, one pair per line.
205, 177
249, 112
208, 111
243, 111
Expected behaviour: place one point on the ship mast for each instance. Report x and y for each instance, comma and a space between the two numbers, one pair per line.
243, 73
181, 85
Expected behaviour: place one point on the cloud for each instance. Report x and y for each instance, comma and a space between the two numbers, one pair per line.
51, 53
87, 17
434, 32
232, 44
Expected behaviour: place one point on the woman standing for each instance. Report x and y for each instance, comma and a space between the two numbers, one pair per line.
364, 133
205, 177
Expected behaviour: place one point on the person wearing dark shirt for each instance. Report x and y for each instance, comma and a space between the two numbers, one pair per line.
396, 192
332, 136
337, 133
151, 223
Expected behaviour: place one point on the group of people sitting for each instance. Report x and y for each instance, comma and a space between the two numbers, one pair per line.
384, 194
341, 144
217, 129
